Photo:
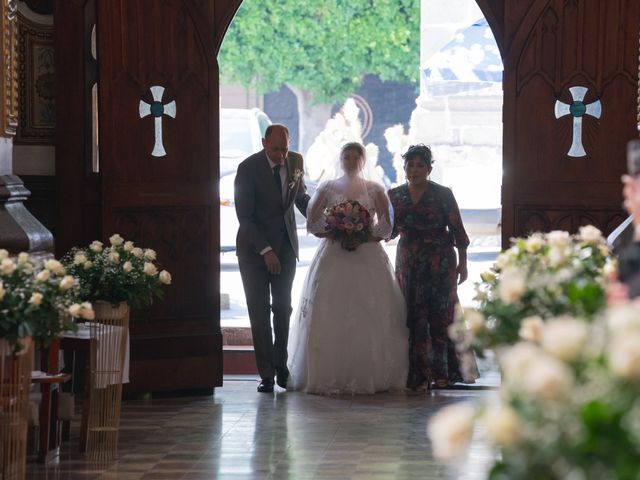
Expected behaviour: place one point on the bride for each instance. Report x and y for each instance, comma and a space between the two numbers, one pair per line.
349, 335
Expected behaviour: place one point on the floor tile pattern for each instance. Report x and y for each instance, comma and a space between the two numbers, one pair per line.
240, 434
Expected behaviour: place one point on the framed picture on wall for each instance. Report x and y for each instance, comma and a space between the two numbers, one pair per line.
36, 83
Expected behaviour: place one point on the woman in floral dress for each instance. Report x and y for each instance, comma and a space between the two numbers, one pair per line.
428, 221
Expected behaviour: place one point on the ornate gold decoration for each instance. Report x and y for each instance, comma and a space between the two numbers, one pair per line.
9, 64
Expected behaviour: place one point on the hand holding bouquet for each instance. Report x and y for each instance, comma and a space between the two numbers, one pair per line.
348, 222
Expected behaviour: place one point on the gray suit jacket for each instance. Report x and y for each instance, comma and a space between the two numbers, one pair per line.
264, 217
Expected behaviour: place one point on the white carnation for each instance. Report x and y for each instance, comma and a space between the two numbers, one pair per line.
96, 246
590, 234
149, 254
557, 255
450, 430
116, 240
165, 277
23, 257
67, 282
137, 252
564, 338
128, 246
43, 276
150, 268
531, 329
512, 285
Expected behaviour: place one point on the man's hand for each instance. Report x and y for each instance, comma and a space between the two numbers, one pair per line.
272, 262
462, 273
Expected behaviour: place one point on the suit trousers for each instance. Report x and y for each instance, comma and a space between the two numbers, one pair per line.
266, 293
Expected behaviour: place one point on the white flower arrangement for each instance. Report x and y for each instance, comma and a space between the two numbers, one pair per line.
568, 406
121, 272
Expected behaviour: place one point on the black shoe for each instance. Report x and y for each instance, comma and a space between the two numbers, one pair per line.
266, 385
282, 375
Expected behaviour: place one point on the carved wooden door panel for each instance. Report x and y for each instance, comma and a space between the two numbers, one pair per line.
158, 116
571, 69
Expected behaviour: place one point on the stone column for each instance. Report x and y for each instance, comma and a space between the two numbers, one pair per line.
19, 230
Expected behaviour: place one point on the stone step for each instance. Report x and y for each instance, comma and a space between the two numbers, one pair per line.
239, 360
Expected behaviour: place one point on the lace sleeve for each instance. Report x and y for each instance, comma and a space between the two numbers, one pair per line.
316, 221
383, 222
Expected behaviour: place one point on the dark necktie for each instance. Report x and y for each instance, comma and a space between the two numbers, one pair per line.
276, 177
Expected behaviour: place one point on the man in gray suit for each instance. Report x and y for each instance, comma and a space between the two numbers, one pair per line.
267, 185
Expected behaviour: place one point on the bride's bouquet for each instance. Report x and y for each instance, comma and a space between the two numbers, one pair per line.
348, 222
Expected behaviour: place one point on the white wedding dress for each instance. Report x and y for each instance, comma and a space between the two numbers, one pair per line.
349, 335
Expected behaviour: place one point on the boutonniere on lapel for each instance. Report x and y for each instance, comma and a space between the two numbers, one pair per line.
295, 176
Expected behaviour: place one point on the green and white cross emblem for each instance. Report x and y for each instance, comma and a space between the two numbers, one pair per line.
157, 109
577, 110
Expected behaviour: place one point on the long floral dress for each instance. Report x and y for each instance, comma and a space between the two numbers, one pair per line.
426, 271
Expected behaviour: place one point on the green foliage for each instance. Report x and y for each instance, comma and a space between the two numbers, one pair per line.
322, 46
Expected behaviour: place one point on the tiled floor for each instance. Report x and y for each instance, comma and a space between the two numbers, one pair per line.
240, 434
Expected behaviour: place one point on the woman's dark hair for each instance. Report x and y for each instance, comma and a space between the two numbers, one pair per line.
421, 151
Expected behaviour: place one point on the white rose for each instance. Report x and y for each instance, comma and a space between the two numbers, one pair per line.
503, 425
43, 276
96, 246
515, 360
67, 282
590, 234
2, 291
150, 268
558, 238
137, 252
623, 317
531, 329
7, 266
28, 268
79, 258
165, 277
127, 267
74, 310
547, 378
450, 430
149, 254
557, 256
475, 321
55, 266
564, 338
534, 243
3, 254
624, 355
128, 246
113, 257
87, 311
36, 299
512, 285
503, 260
87, 265
116, 240
23, 257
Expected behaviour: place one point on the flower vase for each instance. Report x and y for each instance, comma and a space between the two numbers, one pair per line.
15, 380
109, 333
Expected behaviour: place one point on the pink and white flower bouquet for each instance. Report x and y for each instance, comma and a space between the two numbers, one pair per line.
349, 223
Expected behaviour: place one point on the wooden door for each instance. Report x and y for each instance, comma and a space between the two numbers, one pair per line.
584, 55
158, 118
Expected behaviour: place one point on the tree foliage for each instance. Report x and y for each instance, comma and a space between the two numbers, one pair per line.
324, 47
